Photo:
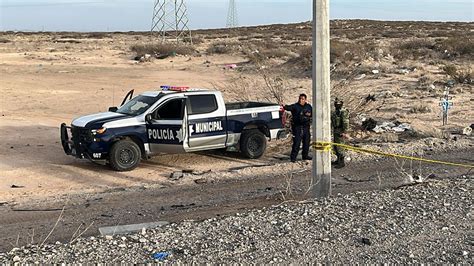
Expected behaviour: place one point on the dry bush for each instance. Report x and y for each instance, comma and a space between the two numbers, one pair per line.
98, 35
259, 51
341, 51
344, 52
304, 60
4, 40
255, 57
223, 48
456, 47
394, 34
72, 35
161, 48
355, 103
450, 70
424, 81
462, 76
195, 40
261, 87
276, 52
416, 44
241, 88
420, 109
413, 49
276, 87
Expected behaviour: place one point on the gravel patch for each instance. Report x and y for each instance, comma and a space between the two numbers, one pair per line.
426, 223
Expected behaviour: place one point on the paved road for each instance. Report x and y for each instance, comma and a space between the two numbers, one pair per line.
22, 224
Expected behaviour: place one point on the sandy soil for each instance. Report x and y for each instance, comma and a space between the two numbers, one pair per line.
44, 83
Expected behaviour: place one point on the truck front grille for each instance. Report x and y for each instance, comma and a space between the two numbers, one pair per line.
81, 135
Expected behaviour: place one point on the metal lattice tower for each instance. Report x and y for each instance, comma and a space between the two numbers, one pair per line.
170, 21
232, 20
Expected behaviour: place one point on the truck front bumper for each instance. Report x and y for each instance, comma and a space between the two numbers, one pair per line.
66, 142
74, 145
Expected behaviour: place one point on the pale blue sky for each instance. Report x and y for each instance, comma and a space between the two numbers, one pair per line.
135, 15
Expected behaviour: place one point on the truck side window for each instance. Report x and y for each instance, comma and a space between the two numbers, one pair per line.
202, 104
171, 110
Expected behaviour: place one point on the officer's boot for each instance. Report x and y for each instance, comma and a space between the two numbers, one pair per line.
343, 162
340, 162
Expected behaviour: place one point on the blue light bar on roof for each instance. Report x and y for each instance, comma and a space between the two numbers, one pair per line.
165, 87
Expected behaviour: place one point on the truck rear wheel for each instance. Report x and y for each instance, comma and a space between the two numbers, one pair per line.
253, 143
125, 155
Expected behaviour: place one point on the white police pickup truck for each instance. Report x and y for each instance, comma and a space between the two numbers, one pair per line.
172, 120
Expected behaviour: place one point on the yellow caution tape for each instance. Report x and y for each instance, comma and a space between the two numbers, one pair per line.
321, 145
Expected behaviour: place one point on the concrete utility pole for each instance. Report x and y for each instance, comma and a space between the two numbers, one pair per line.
321, 98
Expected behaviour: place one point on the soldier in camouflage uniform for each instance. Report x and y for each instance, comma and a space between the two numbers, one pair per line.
340, 125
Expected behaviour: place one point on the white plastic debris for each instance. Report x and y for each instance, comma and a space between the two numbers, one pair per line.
467, 131
392, 127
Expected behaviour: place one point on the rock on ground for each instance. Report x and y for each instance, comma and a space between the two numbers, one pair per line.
427, 223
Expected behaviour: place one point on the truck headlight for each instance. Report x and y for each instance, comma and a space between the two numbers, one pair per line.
99, 131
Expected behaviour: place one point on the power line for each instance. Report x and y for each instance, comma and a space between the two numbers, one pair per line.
232, 19
170, 21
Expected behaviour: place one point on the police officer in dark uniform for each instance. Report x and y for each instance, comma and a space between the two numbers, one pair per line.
301, 121
340, 125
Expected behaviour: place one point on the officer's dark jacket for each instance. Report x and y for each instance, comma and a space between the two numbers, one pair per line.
298, 113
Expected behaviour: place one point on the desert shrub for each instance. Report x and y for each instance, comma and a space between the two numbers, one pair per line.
268, 48
275, 87
355, 102
72, 35
456, 47
346, 52
306, 52
161, 48
4, 40
340, 51
255, 57
305, 57
223, 48
196, 40
416, 44
98, 35
413, 49
276, 52
424, 81
420, 109
264, 86
450, 70
463, 76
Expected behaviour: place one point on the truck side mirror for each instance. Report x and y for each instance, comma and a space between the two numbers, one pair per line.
113, 109
148, 118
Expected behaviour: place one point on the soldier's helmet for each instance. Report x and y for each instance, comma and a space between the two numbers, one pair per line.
338, 103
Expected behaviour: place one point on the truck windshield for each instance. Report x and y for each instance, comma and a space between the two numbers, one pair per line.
137, 105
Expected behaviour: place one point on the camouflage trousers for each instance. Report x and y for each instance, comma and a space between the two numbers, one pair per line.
340, 152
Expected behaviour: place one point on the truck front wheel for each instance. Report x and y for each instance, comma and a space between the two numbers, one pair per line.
124, 155
253, 143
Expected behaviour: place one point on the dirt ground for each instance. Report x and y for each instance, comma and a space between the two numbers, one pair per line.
50, 78
30, 222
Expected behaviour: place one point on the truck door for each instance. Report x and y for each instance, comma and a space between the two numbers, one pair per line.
206, 122
166, 128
